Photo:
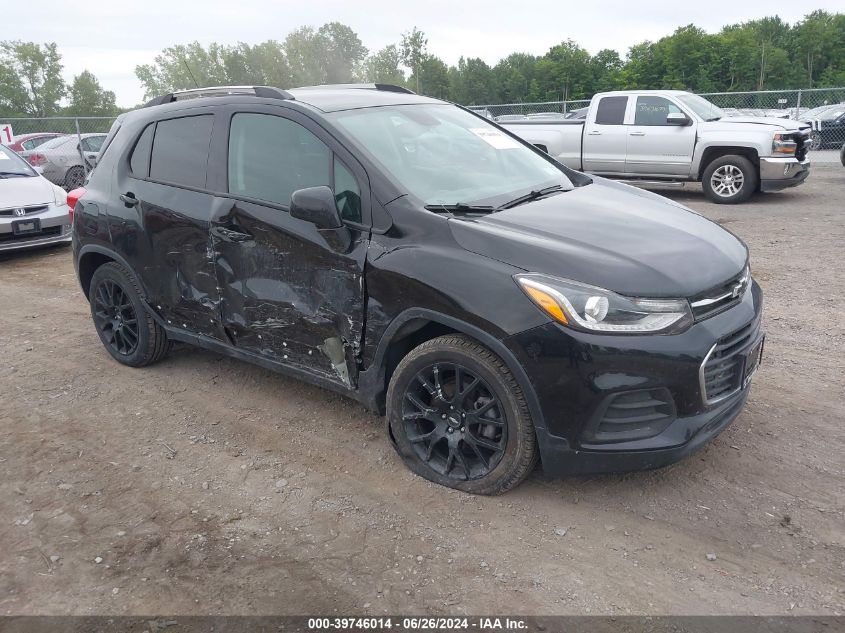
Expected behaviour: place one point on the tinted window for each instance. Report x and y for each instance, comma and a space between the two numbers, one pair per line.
180, 150
92, 143
653, 110
347, 193
271, 157
611, 110
139, 161
29, 144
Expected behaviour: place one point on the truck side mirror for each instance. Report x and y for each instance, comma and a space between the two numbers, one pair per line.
316, 205
677, 118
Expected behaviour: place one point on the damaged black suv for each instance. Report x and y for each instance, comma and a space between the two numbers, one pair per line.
499, 307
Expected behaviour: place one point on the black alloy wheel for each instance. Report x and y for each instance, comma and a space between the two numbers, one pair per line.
454, 422
115, 318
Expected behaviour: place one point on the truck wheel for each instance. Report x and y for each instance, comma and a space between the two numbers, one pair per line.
459, 418
729, 180
815, 140
75, 177
126, 329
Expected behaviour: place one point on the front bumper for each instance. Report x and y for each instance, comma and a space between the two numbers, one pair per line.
780, 173
574, 375
54, 225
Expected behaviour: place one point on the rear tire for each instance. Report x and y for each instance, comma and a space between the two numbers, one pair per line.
125, 327
75, 177
730, 180
459, 418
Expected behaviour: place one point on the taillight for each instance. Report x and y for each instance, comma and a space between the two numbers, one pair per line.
37, 159
72, 198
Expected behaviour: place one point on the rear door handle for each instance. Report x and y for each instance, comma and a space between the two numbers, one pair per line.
129, 199
637, 133
594, 133
230, 235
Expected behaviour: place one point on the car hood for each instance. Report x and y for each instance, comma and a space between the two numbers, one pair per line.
610, 235
781, 124
23, 192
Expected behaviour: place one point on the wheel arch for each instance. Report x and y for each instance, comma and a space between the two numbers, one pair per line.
91, 257
717, 151
417, 325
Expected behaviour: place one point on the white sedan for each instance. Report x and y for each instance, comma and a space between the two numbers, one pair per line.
33, 211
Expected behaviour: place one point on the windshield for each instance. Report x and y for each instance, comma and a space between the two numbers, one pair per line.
54, 142
444, 155
12, 165
702, 107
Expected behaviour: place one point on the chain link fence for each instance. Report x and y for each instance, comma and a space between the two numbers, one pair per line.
822, 108
63, 149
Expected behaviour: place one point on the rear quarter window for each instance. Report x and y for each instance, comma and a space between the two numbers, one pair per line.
139, 160
180, 150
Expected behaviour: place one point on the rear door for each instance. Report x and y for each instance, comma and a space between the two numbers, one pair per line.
159, 218
289, 291
655, 147
606, 137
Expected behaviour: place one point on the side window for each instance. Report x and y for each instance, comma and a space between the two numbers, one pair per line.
180, 150
30, 144
611, 110
139, 161
270, 157
346, 192
653, 110
92, 143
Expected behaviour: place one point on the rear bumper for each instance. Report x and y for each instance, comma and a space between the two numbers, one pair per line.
780, 173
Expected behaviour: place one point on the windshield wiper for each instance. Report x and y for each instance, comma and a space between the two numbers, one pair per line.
530, 196
459, 207
713, 118
7, 174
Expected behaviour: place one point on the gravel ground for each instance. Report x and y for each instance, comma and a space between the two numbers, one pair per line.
204, 485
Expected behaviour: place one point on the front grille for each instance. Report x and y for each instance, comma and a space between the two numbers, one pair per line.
30, 210
40, 235
721, 371
632, 415
801, 139
720, 298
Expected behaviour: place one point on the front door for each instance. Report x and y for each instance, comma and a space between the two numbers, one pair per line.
655, 147
288, 291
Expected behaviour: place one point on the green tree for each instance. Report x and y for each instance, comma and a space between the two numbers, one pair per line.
31, 81
512, 77
383, 67
340, 51
432, 77
471, 82
414, 55
87, 97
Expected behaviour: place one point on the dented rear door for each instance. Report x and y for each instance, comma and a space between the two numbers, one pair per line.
288, 291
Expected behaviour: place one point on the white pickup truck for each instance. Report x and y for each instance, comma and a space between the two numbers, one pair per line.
668, 137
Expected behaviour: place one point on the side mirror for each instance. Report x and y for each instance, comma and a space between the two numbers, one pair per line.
316, 205
677, 118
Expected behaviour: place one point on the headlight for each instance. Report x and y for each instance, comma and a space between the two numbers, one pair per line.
59, 195
592, 309
783, 144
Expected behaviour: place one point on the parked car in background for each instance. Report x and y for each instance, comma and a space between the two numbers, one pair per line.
828, 126
497, 305
671, 137
580, 113
33, 211
842, 155
61, 159
26, 142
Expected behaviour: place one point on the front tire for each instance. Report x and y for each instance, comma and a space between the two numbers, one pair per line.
459, 418
125, 327
730, 180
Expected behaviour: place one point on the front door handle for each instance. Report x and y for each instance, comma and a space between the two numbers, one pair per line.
594, 133
129, 199
637, 133
230, 235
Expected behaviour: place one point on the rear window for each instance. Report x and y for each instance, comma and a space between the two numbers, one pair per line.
139, 161
180, 150
611, 110
92, 143
55, 142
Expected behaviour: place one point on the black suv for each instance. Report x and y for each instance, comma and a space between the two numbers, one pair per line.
406, 252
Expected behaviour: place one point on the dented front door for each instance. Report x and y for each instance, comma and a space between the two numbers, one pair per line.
288, 291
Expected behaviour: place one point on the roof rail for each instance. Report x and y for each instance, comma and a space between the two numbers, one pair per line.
217, 91
382, 87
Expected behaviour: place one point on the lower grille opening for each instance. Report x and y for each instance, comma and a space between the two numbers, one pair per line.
721, 375
40, 235
631, 415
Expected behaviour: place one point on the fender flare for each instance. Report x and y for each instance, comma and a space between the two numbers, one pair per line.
111, 254
371, 381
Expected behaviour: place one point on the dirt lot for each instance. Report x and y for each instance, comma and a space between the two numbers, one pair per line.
206, 485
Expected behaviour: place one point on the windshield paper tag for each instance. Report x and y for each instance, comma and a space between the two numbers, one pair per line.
494, 138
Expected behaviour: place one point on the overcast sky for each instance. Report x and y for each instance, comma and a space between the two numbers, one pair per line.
110, 37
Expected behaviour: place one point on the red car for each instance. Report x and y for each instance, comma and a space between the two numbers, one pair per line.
24, 142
